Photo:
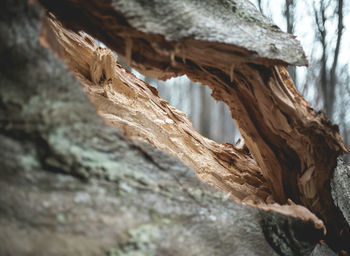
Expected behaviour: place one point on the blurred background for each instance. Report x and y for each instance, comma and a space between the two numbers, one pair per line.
322, 27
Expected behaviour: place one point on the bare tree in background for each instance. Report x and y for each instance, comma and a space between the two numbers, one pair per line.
332, 78
212, 119
324, 69
204, 112
260, 6
342, 106
328, 80
289, 14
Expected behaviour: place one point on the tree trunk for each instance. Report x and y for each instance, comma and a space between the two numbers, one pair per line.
205, 113
71, 184
328, 78
290, 17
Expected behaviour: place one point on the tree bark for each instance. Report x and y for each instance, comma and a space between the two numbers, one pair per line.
73, 185
294, 147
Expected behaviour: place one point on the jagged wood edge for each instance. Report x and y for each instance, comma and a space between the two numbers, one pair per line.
72, 185
297, 147
131, 105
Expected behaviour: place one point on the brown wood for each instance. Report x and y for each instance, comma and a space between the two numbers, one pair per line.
293, 147
72, 185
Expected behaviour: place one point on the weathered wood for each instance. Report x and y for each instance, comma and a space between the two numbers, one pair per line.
295, 147
71, 185
135, 108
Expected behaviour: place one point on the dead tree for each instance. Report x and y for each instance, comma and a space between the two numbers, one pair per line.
72, 184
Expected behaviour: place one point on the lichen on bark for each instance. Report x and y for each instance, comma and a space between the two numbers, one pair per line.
83, 187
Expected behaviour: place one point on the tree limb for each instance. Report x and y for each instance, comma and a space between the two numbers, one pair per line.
295, 148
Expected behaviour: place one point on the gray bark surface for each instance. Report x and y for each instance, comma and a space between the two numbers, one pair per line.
71, 185
340, 184
235, 22
295, 147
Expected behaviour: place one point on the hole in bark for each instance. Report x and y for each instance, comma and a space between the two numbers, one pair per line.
209, 117
257, 111
135, 108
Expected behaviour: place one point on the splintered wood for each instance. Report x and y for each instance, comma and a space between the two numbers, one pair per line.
134, 107
292, 149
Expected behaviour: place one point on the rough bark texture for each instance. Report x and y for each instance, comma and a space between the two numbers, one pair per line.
295, 147
70, 184
340, 184
223, 21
